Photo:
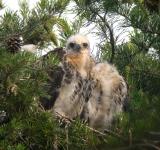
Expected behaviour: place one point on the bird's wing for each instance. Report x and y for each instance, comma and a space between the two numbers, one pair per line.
55, 77
108, 93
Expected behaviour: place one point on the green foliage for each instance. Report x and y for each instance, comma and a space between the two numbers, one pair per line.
34, 26
137, 60
1, 4
66, 29
23, 76
17, 71
10, 24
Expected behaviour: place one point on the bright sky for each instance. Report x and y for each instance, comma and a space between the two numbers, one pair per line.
13, 5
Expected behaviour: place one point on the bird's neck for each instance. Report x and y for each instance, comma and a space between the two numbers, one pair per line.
81, 62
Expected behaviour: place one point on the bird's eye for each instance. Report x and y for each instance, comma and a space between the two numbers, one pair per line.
71, 45
85, 45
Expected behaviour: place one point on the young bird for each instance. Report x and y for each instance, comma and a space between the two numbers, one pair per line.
76, 65
94, 92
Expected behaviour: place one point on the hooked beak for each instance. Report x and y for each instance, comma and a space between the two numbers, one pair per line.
77, 48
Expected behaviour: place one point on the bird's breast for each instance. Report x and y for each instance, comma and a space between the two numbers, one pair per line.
74, 59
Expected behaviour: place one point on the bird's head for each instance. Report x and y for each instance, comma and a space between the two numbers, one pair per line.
77, 44
77, 53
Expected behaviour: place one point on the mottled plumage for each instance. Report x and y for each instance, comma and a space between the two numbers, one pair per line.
70, 100
55, 77
76, 64
94, 92
108, 92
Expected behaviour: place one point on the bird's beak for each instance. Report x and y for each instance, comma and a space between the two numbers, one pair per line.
77, 48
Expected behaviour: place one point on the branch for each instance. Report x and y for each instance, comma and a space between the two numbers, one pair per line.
111, 33
149, 145
132, 143
137, 26
94, 130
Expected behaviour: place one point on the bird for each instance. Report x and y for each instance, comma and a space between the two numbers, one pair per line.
94, 92
75, 65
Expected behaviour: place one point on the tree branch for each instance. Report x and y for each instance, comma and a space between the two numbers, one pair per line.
111, 32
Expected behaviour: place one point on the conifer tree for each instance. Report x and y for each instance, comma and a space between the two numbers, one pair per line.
138, 60
24, 124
